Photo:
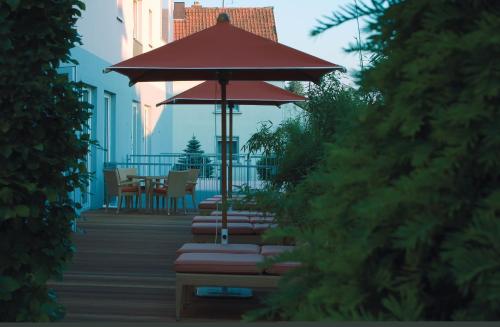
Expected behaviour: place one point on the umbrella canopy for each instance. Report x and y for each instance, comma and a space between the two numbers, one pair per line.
224, 52
238, 92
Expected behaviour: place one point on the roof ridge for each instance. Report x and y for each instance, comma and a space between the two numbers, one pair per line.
230, 8
257, 20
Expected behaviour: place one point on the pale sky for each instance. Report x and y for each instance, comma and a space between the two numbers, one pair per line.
294, 21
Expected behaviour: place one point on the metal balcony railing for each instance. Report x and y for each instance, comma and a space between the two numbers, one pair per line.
250, 171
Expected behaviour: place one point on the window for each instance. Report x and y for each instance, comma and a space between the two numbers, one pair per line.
109, 128
69, 71
147, 132
236, 109
150, 28
119, 15
85, 198
136, 129
138, 20
137, 42
234, 144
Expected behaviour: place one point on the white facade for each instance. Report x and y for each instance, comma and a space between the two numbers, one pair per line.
125, 119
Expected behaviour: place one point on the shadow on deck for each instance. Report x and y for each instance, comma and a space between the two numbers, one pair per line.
123, 271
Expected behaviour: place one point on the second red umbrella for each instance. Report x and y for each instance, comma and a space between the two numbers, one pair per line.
238, 93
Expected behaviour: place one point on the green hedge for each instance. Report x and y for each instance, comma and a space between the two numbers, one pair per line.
41, 153
402, 219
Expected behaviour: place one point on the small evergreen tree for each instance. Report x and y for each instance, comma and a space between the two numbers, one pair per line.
296, 87
194, 158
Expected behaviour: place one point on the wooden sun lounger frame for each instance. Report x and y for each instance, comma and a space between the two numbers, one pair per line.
183, 281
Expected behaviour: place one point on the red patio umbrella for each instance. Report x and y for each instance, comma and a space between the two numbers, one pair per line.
224, 52
238, 93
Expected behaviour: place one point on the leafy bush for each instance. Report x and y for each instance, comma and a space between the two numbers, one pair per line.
42, 147
297, 145
267, 168
401, 221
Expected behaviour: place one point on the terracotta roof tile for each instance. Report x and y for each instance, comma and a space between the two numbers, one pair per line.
259, 21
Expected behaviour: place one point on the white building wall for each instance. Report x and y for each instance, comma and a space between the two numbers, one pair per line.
107, 31
107, 27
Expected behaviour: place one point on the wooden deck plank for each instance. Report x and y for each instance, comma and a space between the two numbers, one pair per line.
123, 271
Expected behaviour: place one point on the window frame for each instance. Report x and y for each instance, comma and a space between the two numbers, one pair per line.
236, 109
236, 154
135, 128
150, 28
137, 26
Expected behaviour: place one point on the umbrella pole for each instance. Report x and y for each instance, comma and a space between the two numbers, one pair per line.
230, 172
224, 231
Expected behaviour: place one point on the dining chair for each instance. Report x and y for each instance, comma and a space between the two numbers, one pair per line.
117, 184
191, 184
124, 174
173, 189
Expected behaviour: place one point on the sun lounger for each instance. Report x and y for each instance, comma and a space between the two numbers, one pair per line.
219, 248
260, 228
208, 205
239, 232
262, 220
272, 250
213, 219
245, 213
224, 269
234, 196
234, 219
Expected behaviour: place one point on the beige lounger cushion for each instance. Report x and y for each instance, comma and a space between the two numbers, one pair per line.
235, 196
261, 228
243, 213
261, 220
270, 250
213, 219
210, 228
218, 248
218, 263
207, 205
282, 267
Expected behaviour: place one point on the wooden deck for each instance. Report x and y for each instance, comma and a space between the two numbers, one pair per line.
123, 271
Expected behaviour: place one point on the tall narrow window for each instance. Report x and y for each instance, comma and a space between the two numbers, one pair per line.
119, 15
137, 19
147, 132
136, 129
150, 28
109, 140
87, 129
137, 43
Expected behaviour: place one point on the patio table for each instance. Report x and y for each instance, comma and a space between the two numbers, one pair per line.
148, 186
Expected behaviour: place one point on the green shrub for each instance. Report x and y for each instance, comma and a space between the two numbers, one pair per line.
296, 146
402, 219
42, 148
